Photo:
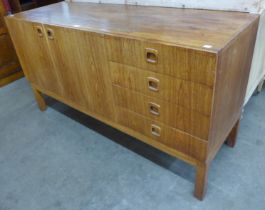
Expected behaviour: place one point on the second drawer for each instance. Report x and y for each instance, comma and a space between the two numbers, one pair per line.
185, 93
187, 120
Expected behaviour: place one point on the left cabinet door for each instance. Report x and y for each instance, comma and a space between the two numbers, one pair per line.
33, 51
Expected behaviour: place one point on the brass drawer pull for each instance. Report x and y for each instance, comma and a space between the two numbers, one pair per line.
50, 33
39, 31
153, 84
151, 55
154, 108
155, 130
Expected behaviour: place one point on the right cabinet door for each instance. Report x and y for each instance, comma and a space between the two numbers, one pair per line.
81, 61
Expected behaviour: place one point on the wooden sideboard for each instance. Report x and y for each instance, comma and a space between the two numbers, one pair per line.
172, 78
10, 69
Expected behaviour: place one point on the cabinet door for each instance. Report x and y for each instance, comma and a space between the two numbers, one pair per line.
81, 61
32, 49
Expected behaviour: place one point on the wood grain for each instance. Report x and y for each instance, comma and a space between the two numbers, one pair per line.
184, 93
143, 73
182, 63
2, 13
7, 52
40, 100
11, 68
201, 180
175, 116
81, 63
232, 137
125, 129
34, 55
231, 81
189, 28
11, 78
9, 64
64, 64
170, 137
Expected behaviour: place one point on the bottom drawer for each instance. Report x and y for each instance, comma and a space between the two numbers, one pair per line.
168, 136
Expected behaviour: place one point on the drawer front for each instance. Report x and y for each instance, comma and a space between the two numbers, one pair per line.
170, 137
187, 64
170, 114
188, 94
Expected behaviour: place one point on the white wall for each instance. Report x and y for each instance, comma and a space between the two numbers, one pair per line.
254, 6
258, 63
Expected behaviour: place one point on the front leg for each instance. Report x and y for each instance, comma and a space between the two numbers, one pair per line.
201, 180
40, 100
231, 139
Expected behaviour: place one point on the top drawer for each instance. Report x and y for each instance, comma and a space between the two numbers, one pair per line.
186, 64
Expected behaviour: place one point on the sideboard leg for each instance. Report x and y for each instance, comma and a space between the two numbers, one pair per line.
231, 139
259, 88
40, 100
201, 180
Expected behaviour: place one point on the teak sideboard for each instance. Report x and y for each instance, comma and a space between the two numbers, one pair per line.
10, 69
172, 78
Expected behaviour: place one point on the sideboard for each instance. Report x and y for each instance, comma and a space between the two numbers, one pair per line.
173, 78
10, 69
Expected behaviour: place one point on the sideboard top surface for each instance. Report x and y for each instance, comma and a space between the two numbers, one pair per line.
198, 29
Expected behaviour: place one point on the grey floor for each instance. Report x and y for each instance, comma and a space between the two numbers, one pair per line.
62, 159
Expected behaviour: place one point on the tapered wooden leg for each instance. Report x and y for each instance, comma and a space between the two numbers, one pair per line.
201, 180
40, 100
231, 139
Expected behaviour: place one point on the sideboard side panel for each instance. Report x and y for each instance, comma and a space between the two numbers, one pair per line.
234, 64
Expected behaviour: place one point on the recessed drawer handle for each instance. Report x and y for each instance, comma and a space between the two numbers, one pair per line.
39, 31
155, 130
151, 55
153, 84
50, 33
154, 108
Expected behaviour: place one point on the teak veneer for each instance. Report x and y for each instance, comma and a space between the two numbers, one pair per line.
10, 69
173, 78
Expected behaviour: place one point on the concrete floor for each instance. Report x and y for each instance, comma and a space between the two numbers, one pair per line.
62, 159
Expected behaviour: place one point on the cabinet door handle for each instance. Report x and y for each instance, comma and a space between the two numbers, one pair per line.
155, 130
154, 108
39, 31
153, 84
50, 33
151, 55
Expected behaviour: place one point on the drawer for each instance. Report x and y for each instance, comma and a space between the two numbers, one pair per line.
170, 137
183, 63
189, 121
182, 92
